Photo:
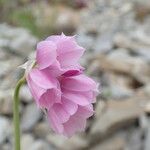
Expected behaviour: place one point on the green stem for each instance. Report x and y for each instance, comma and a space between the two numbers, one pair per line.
16, 118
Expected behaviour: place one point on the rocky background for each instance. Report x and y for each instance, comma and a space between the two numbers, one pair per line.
116, 35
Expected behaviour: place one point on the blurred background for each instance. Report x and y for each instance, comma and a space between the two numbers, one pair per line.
116, 35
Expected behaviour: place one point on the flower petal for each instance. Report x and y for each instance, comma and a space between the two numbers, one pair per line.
46, 54
69, 106
49, 98
36, 91
85, 111
74, 125
76, 98
78, 83
43, 79
54, 122
61, 113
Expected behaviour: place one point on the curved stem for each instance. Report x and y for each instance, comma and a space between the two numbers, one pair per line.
16, 118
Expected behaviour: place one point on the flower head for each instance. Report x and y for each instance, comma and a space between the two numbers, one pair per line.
58, 84
59, 55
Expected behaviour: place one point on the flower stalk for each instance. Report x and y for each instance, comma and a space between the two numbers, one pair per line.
16, 117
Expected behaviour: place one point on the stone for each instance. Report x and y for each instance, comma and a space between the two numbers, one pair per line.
30, 116
5, 129
6, 102
118, 86
40, 145
134, 139
17, 40
114, 143
85, 41
121, 62
117, 115
100, 108
26, 141
147, 108
73, 143
67, 20
138, 43
25, 94
41, 129
147, 140
6, 146
104, 43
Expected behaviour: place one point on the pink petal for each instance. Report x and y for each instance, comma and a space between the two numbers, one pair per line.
62, 115
56, 38
78, 83
54, 122
68, 51
76, 97
69, 106
49, 98
73, 70
46, 54
85, 111
70, 58
43, 79
74, 125
36, 91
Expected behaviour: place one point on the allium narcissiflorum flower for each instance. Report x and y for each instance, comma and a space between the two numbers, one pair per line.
58, 84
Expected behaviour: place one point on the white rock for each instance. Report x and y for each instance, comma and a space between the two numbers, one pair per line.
30, 117
26, 141
5, 129
18, 40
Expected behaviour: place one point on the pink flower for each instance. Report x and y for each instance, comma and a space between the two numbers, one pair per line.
59, 86
44, 88
69, 116
59, 54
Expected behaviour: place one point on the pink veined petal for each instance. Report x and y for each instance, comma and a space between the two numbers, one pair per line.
69, 106
54, 122
90, 95
78, 83
85, 111
66, 44
76, 98
62, 115
54, 70
43, 79
36, 91
49, 98
73, 70
46, 54
70, 58
74, 125
57, 38
72, 73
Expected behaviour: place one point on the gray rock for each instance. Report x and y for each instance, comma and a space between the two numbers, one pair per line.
114, 143
30, 116
25, 94
147, 141
5, 129
42, 129
6, 146
6, 102
26, 141
17, 40
104, 43
120, 61
138, 43
40, 145
73, 143
117, 114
